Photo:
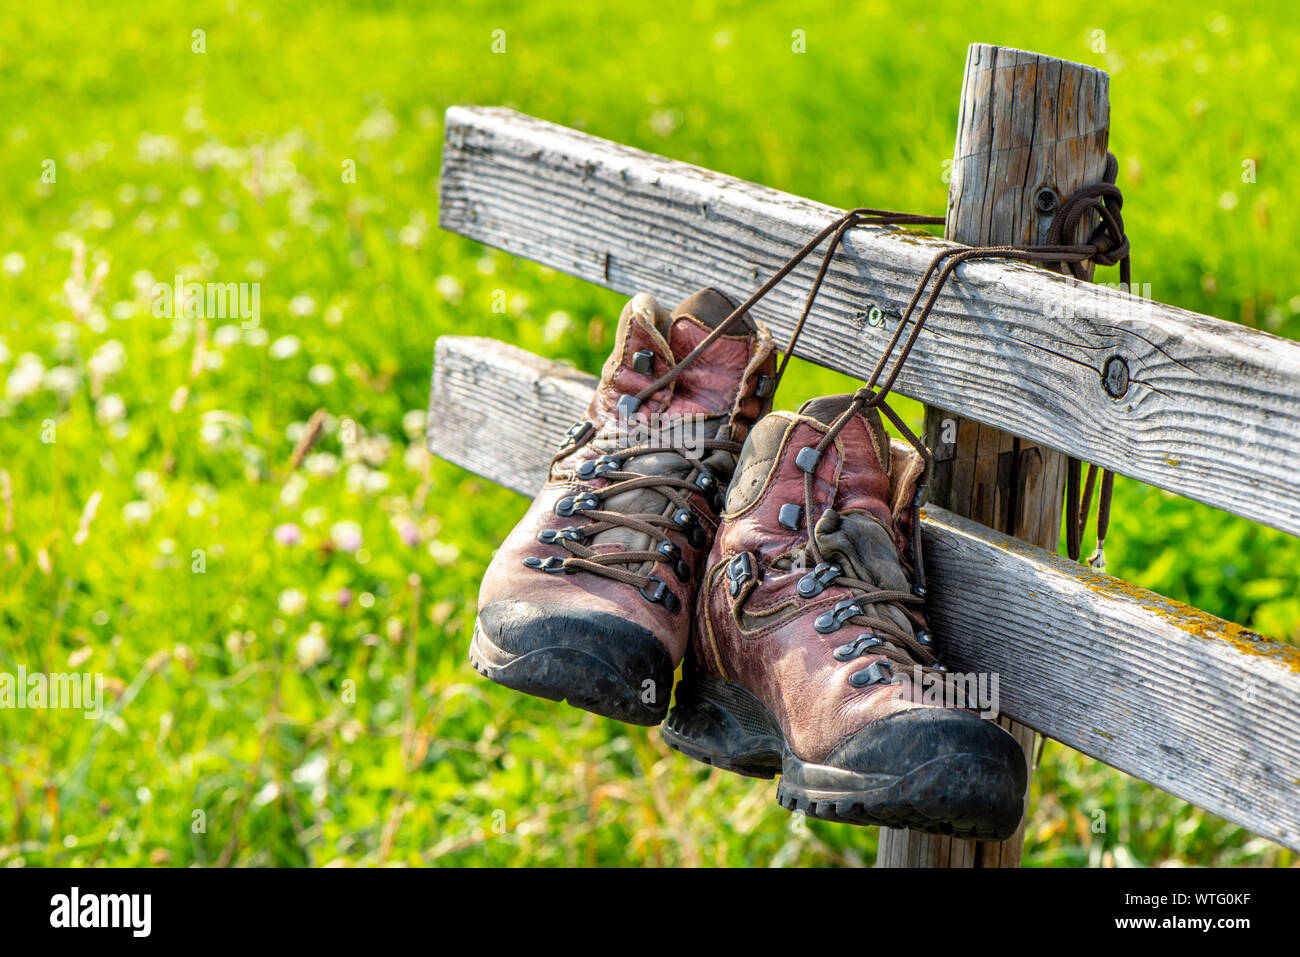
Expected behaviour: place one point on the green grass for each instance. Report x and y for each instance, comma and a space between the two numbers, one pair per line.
311, 704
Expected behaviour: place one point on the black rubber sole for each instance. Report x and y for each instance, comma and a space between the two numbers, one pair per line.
625, 674
976, 794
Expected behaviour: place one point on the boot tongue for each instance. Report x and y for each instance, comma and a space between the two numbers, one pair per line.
708, 385
711, 307
861, 538
826, 409
864, 549
706, 388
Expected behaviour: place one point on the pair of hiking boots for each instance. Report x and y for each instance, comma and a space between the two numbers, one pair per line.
692, 525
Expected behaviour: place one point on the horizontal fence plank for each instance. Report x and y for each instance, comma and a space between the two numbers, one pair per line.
1193, 704
1211, 410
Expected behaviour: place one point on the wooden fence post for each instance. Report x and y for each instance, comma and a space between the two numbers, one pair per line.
1031, 130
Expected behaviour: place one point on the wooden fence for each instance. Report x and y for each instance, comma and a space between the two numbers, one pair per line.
1027, 364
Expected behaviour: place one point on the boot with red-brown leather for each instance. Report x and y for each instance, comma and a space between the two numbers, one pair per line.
811, 656
590, 598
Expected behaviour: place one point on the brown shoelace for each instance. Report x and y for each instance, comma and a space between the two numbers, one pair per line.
686, 513
1107, 245
685, 517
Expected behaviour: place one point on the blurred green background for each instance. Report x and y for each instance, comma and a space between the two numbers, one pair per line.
284, 648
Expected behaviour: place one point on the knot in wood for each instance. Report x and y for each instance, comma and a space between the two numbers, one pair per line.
1114, 376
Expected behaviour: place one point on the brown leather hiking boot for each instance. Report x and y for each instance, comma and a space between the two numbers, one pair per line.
590, 599
810, 654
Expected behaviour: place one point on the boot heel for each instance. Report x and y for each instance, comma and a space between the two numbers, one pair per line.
722, 724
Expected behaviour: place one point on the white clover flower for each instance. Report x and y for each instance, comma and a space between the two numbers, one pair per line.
137, 512
110, 409
226, 336
377, 482
346, 536
321, 374
26, 377
302, 305
321, 464
212, 434
292, 602
415, 458
62, 380
285, 347
145, 480
449, 287
269, 792
556, 325
291, 494
356, 477
312, 647
413, 423
312, 771
444, 553
375, 449
108, 359
14, 264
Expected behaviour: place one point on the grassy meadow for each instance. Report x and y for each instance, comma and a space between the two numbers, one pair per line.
282, 637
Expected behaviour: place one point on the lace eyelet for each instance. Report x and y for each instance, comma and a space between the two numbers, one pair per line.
675, 560
874, 674
659, 593
576, 504
833, 620
807, 459
552, 565
816, 581
858, 647
577, 432
685, 519
597, 468
739, 571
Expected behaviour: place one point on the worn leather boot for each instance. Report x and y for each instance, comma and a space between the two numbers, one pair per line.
590, 599
815, 661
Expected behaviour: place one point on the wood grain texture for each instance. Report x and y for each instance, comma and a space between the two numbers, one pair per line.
1031, 130
1195, 705
1212, 410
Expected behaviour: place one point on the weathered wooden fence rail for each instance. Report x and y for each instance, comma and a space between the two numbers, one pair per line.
1192, 704
1212, 410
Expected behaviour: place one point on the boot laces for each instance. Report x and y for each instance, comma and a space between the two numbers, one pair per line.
694, 503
